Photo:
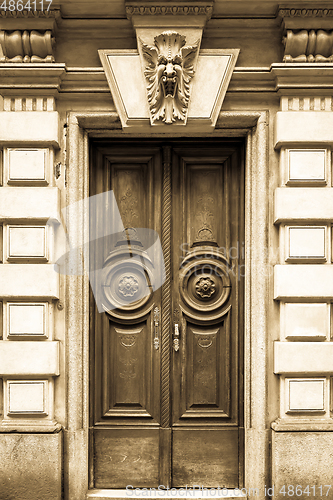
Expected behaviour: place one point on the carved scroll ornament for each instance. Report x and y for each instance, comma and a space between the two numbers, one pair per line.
26, 46
308, 46
169, 71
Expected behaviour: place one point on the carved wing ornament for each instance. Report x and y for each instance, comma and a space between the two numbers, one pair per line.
169, 70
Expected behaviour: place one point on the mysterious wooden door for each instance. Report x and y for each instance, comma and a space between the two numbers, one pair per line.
166, 391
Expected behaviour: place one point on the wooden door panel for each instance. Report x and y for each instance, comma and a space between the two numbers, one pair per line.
126, 387
205, 457
128, 359
205, 447
207, 378
126, 457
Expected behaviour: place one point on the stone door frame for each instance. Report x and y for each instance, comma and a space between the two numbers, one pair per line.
253, 126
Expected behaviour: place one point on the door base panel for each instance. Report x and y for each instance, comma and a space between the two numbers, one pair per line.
205, 457
126, 456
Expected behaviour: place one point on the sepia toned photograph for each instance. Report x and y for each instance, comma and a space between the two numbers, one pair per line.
166, 256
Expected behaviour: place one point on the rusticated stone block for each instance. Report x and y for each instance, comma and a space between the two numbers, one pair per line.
304, 459
31, 466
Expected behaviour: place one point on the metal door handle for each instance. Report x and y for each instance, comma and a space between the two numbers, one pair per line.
176, 338
156, 329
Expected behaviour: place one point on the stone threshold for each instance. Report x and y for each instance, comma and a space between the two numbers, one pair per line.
175, 493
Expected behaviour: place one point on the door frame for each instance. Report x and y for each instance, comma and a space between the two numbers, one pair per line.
254, 126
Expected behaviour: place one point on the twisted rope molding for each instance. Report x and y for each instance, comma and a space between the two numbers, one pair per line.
166, 288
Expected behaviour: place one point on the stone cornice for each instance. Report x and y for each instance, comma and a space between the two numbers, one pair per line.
293, 78
26, 14
26, 20
295, 17
304, 12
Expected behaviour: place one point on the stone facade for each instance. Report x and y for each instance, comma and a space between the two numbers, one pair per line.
255, 70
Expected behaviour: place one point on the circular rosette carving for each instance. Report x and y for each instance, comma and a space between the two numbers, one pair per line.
204, 280
205, 287
128, 285
126, 281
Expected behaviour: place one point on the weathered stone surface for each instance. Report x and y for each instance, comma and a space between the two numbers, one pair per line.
31, 466
302, 458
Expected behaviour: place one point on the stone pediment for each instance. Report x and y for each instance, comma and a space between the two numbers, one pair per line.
207, 87
168, 84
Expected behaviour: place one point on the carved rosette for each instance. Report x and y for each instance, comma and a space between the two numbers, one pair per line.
128, 285
127, 281
205, 284
205, 287
169, 69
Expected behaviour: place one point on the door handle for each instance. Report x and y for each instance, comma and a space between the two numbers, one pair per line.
156, 328
176, 335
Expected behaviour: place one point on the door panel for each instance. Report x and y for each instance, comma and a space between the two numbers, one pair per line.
190, 451
166, 368
126, 456
205, 295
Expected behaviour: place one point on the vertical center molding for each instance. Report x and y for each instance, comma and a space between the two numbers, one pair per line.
166, 288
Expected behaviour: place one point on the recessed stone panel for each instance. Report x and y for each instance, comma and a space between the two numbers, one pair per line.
27, 242
306, 395
306, 321
26, 397
306, 243
307, 166
27, 319
27, 165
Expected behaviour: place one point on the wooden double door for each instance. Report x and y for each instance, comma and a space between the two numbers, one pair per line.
166, 380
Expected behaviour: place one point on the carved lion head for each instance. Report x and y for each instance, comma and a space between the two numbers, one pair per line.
169, 70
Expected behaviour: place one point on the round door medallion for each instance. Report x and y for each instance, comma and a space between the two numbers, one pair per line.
126, 286
204, 282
